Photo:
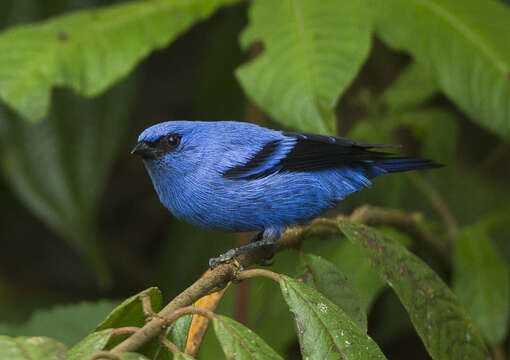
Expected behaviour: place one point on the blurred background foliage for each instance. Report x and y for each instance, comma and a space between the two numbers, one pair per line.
81, 223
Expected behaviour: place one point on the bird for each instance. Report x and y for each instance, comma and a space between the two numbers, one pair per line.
240, 177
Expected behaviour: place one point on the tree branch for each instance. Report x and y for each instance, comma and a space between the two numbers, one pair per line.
411, 223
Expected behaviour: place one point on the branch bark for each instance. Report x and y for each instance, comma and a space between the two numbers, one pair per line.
411, 223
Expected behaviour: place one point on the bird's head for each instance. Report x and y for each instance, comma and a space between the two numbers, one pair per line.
181, 147
157, 141
168, 144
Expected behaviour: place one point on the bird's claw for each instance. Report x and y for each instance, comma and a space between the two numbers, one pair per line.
237, 264
213, 263
223, 258
231, 254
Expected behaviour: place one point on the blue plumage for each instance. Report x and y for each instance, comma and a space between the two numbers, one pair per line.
234, 176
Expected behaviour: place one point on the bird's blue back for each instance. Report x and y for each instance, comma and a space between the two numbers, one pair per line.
234, 176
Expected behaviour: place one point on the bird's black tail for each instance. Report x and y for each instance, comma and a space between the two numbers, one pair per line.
400, 164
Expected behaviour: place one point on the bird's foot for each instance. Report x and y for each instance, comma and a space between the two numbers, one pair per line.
262, 239
223, 258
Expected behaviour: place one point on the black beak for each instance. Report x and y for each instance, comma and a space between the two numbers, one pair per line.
144, 150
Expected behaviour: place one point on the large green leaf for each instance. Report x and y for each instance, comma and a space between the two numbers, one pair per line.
88, 50
332, 283
481, 281
130, 313
65, 323
435, 128
94, 342
412, 87
272, 307
311, 54
442, 323
464, 43
178, 331
239, 342
58, 167
356, 266
437, 132
352, 261
31, 348
98, 341
324, 330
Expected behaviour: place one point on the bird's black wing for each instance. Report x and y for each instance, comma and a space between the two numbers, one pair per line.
305, 152
314, 152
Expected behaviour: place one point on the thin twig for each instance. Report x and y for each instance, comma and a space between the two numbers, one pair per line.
411, 223
169, 345
104, 355
248, 274
125, 330
187, 310
147, 307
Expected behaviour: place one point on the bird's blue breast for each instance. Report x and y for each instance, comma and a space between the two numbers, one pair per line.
205, 198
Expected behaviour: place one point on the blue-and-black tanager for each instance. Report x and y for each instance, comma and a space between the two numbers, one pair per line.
234, 176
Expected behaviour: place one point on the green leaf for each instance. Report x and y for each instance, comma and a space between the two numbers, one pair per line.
58, 167
272, 307
94, 342
368, 284
239, 342
354, 264
463, 43
481, 281
65, 323
88, 50
324, 330
436, 129
334, 284
437, 132
179, 330
485, 194
496, 218
31, 348
311, 54
130, 311
414, 85
442, 323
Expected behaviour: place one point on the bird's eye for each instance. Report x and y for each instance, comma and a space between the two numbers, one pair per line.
172, 141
